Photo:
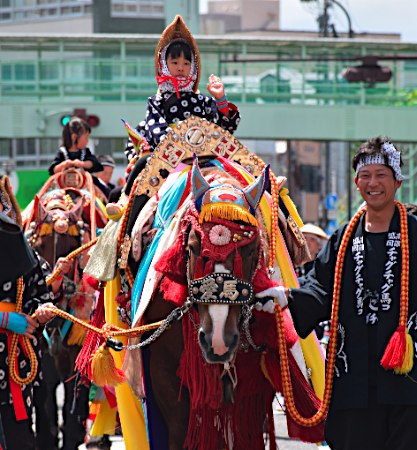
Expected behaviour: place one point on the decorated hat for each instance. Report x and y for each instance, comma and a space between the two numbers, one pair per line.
8, 200
177, 30
224, 200
309, 228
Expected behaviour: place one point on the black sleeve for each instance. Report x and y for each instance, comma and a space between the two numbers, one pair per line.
59, 157
36, 290
312, 302
97, 166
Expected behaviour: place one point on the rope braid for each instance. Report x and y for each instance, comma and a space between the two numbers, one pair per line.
109, 330
51, 278
122, 232
25, 345
274, 213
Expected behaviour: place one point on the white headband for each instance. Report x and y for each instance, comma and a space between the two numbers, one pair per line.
107, 163
393, 156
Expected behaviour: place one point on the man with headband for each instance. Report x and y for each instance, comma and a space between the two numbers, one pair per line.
365, 278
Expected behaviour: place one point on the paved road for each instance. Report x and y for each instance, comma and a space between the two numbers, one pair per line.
283, 441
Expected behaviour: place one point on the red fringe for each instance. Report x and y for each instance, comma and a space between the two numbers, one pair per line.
243, 422
92, 340
261, 281
91, 281
306, 401
237, 265
173, 292
394, 353
172, 262
211, 421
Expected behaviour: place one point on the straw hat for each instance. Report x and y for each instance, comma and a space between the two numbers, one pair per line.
309, 228
178, 30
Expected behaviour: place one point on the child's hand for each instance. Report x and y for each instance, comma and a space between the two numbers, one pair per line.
215, 87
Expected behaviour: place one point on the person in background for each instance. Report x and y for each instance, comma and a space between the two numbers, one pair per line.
22, 313
368, 272
74, 151
103, 178
316, 238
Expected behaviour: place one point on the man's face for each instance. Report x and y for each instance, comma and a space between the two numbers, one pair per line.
313, 243
106, 174
377, 185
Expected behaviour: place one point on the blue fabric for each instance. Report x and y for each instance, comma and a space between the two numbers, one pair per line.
167, 206
156, 428
64, 330
17, 322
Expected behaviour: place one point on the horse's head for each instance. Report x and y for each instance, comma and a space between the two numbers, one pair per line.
58, 224
224, 250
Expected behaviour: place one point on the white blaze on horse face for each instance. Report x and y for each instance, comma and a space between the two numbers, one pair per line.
218, 314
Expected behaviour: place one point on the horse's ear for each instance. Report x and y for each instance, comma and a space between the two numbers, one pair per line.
254, 191
198, 182
76, 212
40, 210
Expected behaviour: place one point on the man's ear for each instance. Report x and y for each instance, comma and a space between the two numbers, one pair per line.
398, 183
356, 182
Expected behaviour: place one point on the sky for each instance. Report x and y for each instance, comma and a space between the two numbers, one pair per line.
394, 16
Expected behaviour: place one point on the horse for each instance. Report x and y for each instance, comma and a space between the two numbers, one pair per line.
210, 379
62, 218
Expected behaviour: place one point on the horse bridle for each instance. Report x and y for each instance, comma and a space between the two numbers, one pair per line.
220, 288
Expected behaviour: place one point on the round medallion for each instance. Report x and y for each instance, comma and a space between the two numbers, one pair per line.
195, 136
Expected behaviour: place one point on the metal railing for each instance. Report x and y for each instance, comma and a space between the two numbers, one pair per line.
121, 68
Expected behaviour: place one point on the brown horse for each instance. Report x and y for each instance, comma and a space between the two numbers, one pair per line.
210, 379
58, 223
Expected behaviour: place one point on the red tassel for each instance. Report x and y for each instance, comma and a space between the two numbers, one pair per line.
172, 262
237, 266
91, 281
395, 350
92, 340
173, 292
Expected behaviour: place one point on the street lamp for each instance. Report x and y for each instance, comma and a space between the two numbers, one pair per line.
323, 19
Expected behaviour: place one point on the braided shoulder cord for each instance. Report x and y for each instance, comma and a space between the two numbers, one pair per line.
332, 346
25, 345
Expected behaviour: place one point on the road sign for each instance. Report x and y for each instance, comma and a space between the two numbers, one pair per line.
331, 201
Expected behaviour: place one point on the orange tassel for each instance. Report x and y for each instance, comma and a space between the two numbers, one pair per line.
103, 369
395, 351
408, 362
77, 335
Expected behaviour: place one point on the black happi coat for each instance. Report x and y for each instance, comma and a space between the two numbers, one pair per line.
357, 367
35, 292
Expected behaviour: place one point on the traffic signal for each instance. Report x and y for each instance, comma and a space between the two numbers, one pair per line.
369, 71
91, 119
65, 119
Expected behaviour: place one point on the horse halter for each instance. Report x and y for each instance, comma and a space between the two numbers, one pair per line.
219, 238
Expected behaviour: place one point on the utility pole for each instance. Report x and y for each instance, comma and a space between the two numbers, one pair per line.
324, 18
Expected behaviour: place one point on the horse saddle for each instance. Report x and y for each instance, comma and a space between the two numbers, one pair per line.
18, 257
